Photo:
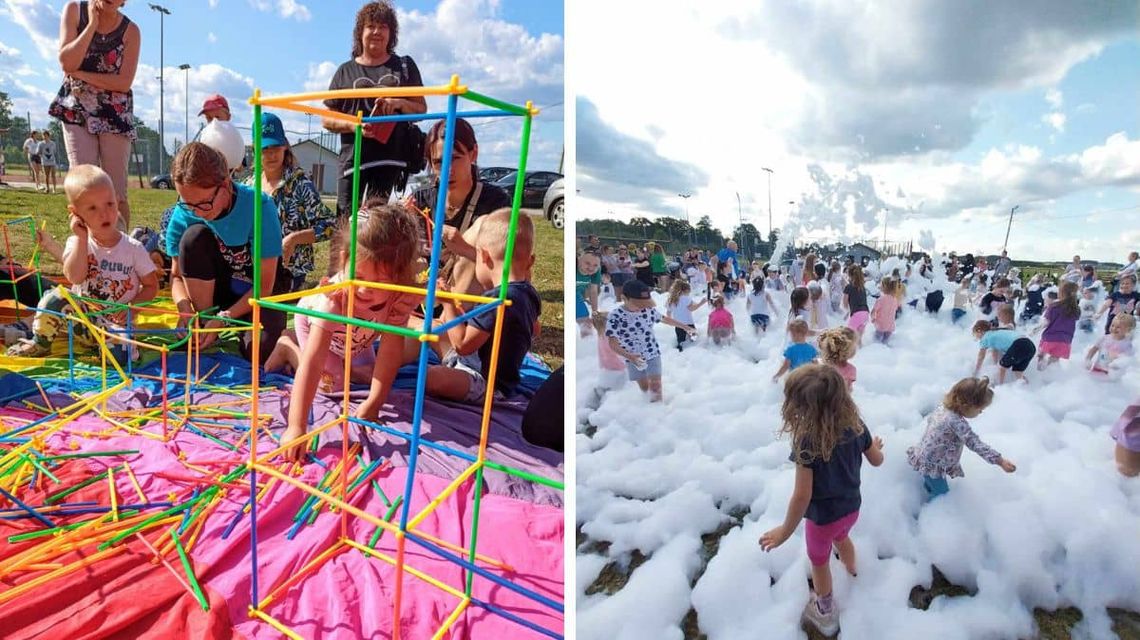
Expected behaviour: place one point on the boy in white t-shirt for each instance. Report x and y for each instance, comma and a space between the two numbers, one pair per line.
100, 261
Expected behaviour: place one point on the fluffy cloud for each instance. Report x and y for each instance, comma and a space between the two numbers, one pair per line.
320, 73
41, 23
1056, 120
626, 168
285, 8
909, 64
1054, 97
211, 38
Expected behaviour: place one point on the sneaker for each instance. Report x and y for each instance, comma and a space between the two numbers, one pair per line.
825, 623
30, 349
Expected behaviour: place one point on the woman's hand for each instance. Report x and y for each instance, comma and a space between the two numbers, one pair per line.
207, 339
288, 246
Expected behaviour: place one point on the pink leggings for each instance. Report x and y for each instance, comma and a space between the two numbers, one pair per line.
109, 151
820, 537
858, 320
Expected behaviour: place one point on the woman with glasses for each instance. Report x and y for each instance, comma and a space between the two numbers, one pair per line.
210, 238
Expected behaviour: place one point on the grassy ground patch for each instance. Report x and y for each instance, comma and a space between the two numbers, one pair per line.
147, 206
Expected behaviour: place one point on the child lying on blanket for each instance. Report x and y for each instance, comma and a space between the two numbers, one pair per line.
100, 260
463, 376
386, 251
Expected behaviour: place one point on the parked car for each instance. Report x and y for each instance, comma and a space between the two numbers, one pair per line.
163, 181
552, 204
534, 186
492, 174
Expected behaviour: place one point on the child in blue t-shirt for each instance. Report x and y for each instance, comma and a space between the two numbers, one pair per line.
1011, 350
829, 442
464, 374
799, 352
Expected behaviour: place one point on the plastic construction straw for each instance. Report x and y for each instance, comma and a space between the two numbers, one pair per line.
56, 497
388, 517
513, 618
190, 573
450, 620
165, 562
264, 617
303, 572
35, 514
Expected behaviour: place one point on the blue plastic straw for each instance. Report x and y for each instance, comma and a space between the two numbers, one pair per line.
513, 618
407, 436
416, 117
35, 514
477, 311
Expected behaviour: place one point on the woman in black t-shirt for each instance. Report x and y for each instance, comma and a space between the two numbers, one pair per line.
468, 199
374, 63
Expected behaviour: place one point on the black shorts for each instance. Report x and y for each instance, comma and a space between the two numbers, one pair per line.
1019, 355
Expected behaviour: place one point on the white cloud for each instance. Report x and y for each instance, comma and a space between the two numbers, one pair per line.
1056, 120
213, 4
320, 74
284, 8
9, 53
40, 21
211, 38
1054, 97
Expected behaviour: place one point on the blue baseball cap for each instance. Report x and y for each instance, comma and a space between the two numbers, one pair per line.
272, 131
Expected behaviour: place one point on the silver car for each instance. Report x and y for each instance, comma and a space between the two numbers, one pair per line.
552, 204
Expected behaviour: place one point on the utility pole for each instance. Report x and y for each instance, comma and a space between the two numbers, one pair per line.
740, 224
186, 94
1008, 226
162, 13
769, 200
685, 197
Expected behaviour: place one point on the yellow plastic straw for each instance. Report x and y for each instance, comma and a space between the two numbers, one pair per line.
451, 619
264, 617
443, 495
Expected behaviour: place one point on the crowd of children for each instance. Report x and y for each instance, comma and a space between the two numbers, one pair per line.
827, 312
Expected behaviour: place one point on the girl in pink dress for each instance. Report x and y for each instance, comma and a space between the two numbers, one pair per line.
721, 325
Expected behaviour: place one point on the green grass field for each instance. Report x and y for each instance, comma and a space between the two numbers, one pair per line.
147, 206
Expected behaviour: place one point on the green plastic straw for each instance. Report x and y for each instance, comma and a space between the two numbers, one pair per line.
474, 529
40, 467
496, 104
387, 516
190, 573
66, 492
332, 317
383, 496
525, 475
149, 521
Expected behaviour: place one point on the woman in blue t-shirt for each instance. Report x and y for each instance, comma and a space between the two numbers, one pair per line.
210, 239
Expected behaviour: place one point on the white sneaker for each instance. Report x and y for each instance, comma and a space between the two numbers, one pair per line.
825, 623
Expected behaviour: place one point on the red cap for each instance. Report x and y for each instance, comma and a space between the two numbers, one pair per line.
214, 102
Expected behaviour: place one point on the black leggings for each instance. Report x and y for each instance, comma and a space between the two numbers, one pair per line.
27, 292
682, 336
200, 257
1019, 355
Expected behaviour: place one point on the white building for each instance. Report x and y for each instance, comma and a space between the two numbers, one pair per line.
319, 163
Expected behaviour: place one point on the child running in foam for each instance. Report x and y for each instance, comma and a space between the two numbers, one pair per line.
630, 332
938, 455
1117, 344
1088, 310
799, 352
722, 328
1011, 350
837, 348
886, 309
798, 308
680, 307
829, 442
1059, 327
760, 305
961, 300
855, 302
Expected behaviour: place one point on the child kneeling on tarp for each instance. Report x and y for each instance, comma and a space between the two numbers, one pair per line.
99, 260
466, 368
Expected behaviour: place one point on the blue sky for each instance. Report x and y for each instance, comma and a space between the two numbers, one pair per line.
509, 49
936, 117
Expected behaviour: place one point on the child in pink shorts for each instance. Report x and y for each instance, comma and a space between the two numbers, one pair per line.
722, 328
855, 301
818, 409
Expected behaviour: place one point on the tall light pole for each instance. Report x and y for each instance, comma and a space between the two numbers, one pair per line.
186, 91
162, 13
1008, 226
685, 197
769, 200
740, 223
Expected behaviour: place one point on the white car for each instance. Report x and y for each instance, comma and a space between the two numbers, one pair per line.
552, 204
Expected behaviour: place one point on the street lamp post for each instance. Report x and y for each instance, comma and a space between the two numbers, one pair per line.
769, 200
162, 13
685, 197
186, 94
1008, 226
740, 224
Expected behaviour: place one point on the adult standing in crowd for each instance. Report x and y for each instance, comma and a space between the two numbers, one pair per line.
1131, 268
727, 255
641, 267
1074, 271
32, 153
210, 238
305, 220
99, 54
624, 271
609, 262
1002, 265
468, 199
383, 150
48, 161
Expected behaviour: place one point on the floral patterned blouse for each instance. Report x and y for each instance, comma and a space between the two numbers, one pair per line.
301, 208
939, 454
98, 110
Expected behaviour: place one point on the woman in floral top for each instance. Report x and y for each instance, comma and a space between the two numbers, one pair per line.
99, 53
938, 456
305, 220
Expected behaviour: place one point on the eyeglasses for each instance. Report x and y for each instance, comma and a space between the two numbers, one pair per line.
206, 205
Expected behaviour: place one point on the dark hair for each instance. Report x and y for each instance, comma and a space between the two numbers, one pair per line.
375, 13
1068, 300
799, 298
757, 286
464, 140
820, 270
